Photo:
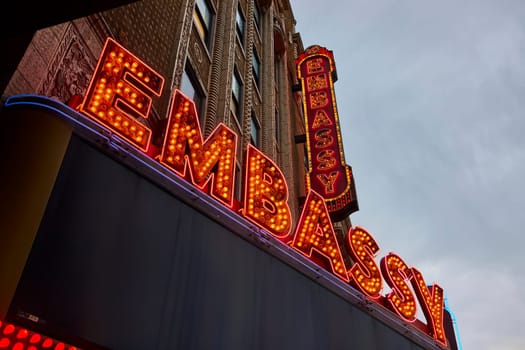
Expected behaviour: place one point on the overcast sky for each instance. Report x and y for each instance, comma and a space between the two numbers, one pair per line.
431, 97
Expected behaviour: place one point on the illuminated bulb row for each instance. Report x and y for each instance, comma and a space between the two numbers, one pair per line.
316, 220
362, 240
397, 272
371, 286
347, 198
326, 159
17, 338
109, 86
225, 169
434, 301
328, 181
321, 119
219, 150
323, 138
114, 98
361, 244
265, 185
113, 84
315, 65
179, 132
118, 61
318, 99
107, 90
316, 82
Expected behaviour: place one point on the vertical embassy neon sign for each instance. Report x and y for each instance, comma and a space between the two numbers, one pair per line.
119, 95
327, 172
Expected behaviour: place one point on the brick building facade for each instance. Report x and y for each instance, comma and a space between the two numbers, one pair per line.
236, 59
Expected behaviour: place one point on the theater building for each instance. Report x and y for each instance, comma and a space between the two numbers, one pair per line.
174, 178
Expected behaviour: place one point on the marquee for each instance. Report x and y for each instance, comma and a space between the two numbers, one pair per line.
119, 97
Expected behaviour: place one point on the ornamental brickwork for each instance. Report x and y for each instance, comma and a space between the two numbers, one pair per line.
167, 35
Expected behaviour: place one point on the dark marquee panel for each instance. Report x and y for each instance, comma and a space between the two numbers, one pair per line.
125, 254
120, 263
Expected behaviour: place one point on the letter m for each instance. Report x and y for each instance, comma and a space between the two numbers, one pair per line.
203, 163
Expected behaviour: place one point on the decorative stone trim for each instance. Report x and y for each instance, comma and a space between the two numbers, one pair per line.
183, 40
69, 72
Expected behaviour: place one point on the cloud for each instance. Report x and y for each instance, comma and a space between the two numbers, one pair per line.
489, 302
430, 97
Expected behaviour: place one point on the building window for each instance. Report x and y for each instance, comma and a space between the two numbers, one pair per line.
278, 96
191, 88
256, 67
237, 96
305, 157
240, 24
255, 131
238, 183
277, 129
257, 16
276, 73
203, 19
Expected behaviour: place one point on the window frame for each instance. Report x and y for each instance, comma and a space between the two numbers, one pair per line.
254, 124
203, 20
277, 126
257, 17
197, 95
237, 98
256, 72
241, 32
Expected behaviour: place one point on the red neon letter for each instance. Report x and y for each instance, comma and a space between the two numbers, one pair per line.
211, 161
365, 274
323, 138
119, 93
328, 174
328, 181
326, 159
321, 119
266, 194
432, 302
315, 232
397, 274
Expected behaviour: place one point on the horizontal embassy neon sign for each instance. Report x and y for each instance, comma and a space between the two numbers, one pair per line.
119, 96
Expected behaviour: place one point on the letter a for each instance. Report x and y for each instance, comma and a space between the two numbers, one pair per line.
315, 232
